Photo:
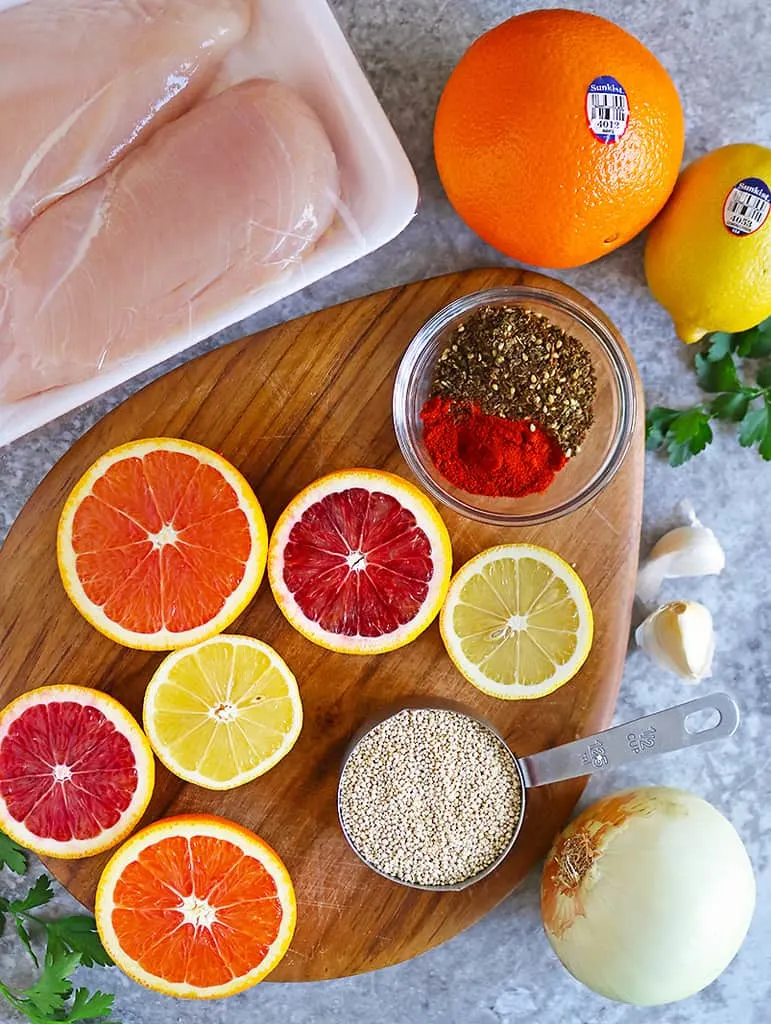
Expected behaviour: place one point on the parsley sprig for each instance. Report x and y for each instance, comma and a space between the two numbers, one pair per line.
683, 433
71, 942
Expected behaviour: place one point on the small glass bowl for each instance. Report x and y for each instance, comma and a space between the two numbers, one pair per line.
586, 473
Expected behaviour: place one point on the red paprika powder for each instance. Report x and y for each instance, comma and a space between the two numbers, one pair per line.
489, 455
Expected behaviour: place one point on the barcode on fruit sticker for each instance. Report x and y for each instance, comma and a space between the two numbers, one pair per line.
607, 109
747, 206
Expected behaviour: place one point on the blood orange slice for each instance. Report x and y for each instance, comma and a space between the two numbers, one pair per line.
360, 562
161, 544
196, 907
76, 771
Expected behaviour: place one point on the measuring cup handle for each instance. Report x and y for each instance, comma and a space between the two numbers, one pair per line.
644, 737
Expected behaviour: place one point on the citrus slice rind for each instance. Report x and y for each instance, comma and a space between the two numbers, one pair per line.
142, 570
196, 907
76, 771
517, 622
364, 533
222, 712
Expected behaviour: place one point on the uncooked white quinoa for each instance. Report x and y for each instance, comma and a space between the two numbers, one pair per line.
430, 796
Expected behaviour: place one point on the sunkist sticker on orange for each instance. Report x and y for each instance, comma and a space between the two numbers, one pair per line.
607, 109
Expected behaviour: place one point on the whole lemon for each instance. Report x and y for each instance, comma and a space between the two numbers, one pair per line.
708, 254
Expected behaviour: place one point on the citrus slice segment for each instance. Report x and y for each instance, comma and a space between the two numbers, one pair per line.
517, 622
360, 561
223, 712
195, 906
161, 543
76, 771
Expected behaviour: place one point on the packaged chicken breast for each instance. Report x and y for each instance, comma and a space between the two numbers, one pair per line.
166, 170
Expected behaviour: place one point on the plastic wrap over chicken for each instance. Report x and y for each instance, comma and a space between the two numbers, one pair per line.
180, 216
83, 82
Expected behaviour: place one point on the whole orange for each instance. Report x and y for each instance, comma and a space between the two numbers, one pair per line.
558, 137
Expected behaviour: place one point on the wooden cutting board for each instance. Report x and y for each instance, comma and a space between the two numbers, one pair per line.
286, 406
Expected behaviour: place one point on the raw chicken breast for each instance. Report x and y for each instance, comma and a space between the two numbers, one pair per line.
81, 81
216, 205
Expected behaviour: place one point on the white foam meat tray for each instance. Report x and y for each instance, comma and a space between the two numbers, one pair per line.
299, 43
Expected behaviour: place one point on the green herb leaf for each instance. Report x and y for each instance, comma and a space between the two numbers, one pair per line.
657, 423
71, 941
719, 344
730, 406
12, 855
765, 444
683, 434
689, 425
41, 893
21, 1005
764, 376
679, 454
78, 934
754, 343
754, 426
49, 995
46, 1002
90, 1005
719, 375
23, 934
689, 434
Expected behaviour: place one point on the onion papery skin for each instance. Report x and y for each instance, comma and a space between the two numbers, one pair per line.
647, 896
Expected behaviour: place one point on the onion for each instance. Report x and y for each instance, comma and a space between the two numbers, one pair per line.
647, 896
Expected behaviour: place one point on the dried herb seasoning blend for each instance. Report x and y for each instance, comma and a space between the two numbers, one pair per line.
430, 796
516, 363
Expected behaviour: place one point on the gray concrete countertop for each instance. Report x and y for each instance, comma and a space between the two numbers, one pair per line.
502, 971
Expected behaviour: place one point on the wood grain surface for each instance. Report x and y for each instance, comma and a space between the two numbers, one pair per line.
287, 406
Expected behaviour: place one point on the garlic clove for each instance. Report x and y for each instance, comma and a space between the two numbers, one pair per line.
680, 638
691, 550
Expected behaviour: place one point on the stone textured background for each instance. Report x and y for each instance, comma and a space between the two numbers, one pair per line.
502, 971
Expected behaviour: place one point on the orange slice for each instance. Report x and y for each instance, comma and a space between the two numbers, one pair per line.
360, 562
196, 906
161, 544
76, 771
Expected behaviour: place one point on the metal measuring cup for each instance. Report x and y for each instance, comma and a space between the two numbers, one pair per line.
632, 741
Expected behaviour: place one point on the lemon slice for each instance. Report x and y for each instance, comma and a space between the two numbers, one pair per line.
223, 712
517, 621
